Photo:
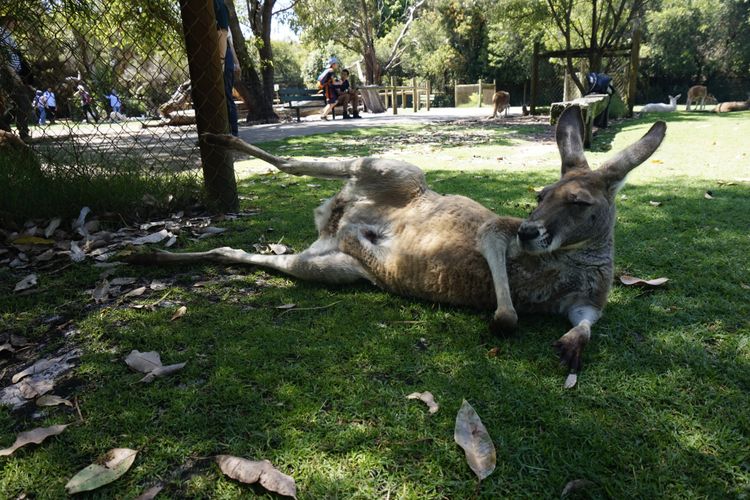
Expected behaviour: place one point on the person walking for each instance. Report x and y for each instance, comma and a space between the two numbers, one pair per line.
88, 113
40, 105
115, 105
51, 100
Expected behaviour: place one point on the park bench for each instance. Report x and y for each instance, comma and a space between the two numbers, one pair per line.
591, 105
298, 98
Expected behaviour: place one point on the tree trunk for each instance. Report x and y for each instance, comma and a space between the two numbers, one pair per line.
265, 51
259, 105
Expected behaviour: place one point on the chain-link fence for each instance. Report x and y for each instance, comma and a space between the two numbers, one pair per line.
95, 84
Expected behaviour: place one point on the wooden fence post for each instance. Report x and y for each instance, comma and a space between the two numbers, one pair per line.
480, 93
635, 59
415, 95
429, 91
393, 96
207, 84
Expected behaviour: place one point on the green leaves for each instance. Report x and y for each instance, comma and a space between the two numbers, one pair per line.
116, 463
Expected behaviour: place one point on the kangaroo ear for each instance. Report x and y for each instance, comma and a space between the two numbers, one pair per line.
569, 137
616, 168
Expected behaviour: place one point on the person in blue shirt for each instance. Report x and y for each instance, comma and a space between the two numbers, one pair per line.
345, 95
115, 104
326, 81
40, 105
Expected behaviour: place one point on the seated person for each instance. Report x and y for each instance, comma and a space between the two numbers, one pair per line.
345, 95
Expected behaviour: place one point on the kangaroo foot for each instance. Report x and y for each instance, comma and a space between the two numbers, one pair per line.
569, 348
503, 322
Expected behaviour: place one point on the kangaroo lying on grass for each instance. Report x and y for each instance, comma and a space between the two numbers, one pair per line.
386, 226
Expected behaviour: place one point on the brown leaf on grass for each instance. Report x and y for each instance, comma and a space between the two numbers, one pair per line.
278, 248
492, 353
116, 463
286, 306
150, 493
180, 312
162, 371
150, 364
143, 362
76, 254
471, 435
52, 226
654, 203
122, 281
52, 400
34, 436
30, 389
7, 347
136, 292
630, 281
37, 367
249, 472
26, 283
427, 398
707, 195
575, 485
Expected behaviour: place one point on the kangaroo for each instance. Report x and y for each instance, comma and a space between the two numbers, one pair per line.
387, 227
501, 102
660, 107
697, 94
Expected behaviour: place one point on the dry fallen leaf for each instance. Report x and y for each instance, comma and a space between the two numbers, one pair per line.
52, 400
286, 306
249, 472
575, 485
162, 371
150, 493
136, 292
707, 195
492, 353
570, 381
180, 312
143, 362
7, 347
32, 240
37, 367
150, 364
654, 203
116, 463
471, 435
26, 283
35, 436
52, 226
427, 398
29, 389
152, 238
101, 292
76, 254
278, 248
630, 280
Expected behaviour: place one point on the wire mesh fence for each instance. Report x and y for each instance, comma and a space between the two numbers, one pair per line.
99, 85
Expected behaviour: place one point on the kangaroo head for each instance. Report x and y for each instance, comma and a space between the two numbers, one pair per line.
673, 100
580, 207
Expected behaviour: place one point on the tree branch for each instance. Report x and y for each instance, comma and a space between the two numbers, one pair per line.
411, 16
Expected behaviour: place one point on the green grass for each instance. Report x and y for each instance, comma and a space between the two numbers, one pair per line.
661, 410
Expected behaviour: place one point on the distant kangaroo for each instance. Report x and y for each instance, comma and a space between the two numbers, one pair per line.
500, 102
387, 227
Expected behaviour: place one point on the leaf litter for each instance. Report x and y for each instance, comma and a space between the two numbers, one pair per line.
116, 462
250, 471
34, 436
471, 435
427, 398
633, 281
150, 364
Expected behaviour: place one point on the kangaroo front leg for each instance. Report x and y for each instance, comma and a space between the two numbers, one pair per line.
570, 346
493, 245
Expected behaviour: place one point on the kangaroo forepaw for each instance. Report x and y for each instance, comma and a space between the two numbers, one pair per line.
504, 322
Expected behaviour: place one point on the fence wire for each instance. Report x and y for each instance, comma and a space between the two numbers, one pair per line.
98, 85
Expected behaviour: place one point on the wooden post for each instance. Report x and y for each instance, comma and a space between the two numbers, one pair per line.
455, 93
635, 59
403, 98
534, 78
207, 84
415, 95
429, 91
393, 96
480, 93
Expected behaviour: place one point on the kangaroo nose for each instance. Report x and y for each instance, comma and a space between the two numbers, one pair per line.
528, 232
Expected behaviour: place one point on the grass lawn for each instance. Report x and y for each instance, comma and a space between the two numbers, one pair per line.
662, 408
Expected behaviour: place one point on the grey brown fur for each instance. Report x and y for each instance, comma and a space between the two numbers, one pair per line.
386, 226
